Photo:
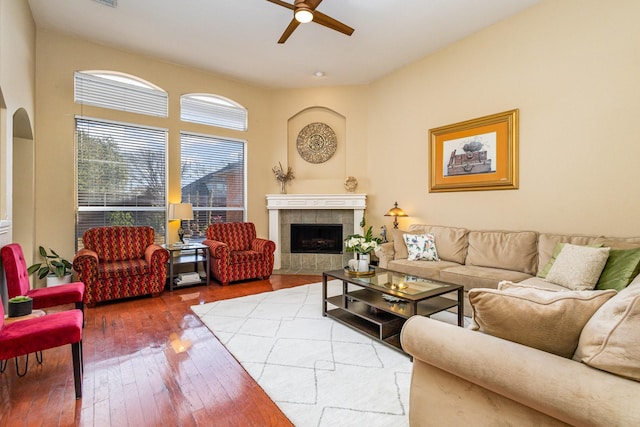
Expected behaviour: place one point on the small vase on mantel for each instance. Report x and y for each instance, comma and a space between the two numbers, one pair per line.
283, 189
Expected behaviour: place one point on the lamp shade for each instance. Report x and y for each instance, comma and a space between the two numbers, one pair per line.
395, 212
183, 211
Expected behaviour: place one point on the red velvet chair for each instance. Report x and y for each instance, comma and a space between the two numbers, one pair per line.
15, 269
237, 254
120, 262
42, 333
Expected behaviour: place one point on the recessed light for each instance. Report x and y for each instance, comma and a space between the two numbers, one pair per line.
319, 74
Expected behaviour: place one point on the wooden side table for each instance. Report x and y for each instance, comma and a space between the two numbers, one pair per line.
192, 253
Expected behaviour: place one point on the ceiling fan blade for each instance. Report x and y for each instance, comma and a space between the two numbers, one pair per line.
287, 32
329, 22
313, 4
282, 3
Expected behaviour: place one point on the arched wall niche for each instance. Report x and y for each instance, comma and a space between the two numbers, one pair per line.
336, 166
22, 203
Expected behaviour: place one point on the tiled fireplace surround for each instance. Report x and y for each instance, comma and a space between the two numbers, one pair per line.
287, 209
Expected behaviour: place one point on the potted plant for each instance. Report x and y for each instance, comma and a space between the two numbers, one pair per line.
56, 269
20, 306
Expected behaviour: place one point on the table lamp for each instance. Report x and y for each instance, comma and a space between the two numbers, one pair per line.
395, 212
180, 212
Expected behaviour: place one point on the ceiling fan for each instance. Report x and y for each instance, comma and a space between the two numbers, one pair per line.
305, 11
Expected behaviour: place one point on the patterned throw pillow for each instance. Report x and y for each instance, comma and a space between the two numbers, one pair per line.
421, 247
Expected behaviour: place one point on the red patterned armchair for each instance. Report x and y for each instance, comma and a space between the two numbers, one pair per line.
237, 254
120, 262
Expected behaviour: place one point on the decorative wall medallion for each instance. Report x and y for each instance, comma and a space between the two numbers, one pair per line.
350, 184
316, 143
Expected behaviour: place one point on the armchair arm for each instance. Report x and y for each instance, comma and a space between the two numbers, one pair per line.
85, 260
385, 253
156, 255
219, 250
561, 388
263, 245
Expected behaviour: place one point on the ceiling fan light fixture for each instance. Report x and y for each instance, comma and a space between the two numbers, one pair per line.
303, 13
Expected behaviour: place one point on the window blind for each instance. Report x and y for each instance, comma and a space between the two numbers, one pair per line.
120, 175
213, 180
122, 94
213, 110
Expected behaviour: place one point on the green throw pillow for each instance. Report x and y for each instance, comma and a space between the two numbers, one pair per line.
556, 251
621, 267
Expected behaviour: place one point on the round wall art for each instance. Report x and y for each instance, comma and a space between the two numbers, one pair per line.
316, 143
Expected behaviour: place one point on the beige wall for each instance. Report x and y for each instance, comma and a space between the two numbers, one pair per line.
570, 66
572, 69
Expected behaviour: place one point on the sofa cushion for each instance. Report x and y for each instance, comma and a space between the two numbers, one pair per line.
421, 247
621, 267
132, 267
578, 267
547, 320
556, 251
610, 340
451, 242
547, 243
471, 276
509, 250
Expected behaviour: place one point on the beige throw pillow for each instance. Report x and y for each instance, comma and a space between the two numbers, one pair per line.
547, 320
610, 340
578, 267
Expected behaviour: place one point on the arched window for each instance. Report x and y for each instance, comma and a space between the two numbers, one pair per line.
213, 110
119, 91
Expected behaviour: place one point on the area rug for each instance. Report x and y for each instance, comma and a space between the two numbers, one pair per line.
318, 371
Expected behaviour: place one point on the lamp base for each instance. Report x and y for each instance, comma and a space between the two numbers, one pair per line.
181, 234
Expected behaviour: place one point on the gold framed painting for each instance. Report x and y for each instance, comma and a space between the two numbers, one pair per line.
478, 154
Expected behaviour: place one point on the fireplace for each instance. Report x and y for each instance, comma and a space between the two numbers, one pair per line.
287, 209
316, 238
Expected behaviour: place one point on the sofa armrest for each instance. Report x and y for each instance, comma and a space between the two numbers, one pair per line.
84, 260
385, 253
219, 250
561, 388
264, 246
156, 255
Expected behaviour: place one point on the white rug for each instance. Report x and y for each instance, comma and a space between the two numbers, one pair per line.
318, 371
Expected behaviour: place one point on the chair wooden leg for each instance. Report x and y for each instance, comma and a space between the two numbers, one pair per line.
76, 353
3, 365
39, 357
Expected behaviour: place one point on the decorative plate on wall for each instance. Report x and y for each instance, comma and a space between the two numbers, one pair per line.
316, 143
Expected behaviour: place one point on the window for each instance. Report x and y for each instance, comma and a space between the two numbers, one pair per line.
213, 110
212, 180
120, 91
121, 175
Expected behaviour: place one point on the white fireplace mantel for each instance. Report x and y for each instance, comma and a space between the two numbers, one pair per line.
278, 202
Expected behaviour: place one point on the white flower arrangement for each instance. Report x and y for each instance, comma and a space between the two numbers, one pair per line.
362, 244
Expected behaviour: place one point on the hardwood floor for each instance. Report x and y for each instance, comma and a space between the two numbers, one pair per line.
147, 362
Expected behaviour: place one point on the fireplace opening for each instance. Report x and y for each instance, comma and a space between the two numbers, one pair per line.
316, 238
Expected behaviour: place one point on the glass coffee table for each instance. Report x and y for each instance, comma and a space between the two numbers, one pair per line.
378, 303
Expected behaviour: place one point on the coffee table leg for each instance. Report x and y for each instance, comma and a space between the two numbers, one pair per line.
460, 307
324, 294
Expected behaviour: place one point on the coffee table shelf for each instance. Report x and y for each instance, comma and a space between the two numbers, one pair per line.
362, 307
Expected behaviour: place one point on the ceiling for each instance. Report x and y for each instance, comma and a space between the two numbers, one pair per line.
238, 38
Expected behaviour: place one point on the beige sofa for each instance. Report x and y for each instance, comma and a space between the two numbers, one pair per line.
466, 378
483, 258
